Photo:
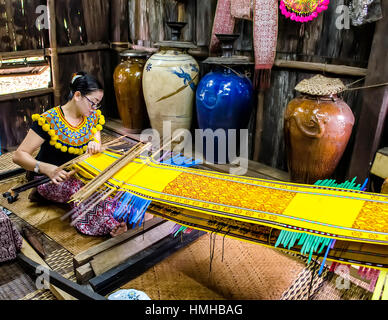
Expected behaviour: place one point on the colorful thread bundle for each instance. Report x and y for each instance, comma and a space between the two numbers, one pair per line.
131, 209
311, 244
303, 10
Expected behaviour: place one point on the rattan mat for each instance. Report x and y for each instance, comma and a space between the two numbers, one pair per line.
247, 272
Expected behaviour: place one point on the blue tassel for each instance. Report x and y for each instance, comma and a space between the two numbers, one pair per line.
181, 161
131, 209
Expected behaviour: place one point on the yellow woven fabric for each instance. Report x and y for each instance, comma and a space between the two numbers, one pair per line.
340, 214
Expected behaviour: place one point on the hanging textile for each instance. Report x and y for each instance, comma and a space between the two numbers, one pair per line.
223, 23
265, 34
265, 31
256, 210
242, 9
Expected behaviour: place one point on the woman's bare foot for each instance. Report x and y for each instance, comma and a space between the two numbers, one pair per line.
148, 217
120, 229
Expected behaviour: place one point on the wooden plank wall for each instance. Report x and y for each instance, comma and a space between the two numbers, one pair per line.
80, 23
17, 26
15, 119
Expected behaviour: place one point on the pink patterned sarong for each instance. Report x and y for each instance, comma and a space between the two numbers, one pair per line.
97, 222
265, 31
10, 239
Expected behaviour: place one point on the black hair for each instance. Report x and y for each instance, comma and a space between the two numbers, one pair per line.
84, 83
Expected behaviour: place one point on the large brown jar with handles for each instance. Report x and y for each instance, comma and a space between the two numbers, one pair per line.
317, 131
128, 78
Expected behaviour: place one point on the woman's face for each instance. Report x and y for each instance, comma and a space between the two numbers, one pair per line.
89, 103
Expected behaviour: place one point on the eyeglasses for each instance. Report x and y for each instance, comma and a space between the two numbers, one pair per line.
95, 106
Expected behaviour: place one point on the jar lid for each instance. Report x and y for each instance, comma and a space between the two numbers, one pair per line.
321, 86
133, 53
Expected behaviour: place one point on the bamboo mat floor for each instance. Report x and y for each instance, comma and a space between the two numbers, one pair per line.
246, 272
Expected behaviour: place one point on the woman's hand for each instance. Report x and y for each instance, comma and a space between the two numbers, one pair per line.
94, 147
56, 174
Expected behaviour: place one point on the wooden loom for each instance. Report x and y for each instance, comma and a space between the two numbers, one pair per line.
121, 256
367, 252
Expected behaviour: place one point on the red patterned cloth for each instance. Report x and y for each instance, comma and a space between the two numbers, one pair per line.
265, 31
223, 23
242, 9
10, 239
97, 222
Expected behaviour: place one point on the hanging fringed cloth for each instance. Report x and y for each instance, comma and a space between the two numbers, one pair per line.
265, 17
242, 9
223, 23
265, 34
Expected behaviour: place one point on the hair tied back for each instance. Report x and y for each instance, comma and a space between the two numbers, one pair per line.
75, 77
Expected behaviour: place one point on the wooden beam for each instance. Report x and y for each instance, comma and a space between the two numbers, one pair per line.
375, 103
141, 262
26, 94
87, 256
73, 290
30, 253
24, 54
54, 52
259, 125
84, 48
84, 273
321, 67
117, 255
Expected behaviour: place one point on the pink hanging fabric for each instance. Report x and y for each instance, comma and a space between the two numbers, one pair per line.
223, 23
242, 9
10, 239
265, 34
265, 31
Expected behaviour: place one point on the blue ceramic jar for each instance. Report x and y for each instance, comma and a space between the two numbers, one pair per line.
224, 100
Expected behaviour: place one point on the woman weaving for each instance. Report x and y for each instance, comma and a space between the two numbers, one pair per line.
62, 134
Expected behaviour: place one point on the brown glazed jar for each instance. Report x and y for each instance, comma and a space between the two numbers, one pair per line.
317, 131
127, 78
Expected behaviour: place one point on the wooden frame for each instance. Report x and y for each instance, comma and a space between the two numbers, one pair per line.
55, 279
141, 262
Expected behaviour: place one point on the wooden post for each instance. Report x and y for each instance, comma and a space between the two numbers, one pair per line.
375, 103
181, 11
119, 23
259, 125
54, 52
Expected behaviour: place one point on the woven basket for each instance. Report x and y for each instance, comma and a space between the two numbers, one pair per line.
321, 86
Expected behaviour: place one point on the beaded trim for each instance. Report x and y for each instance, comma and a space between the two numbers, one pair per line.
66, 137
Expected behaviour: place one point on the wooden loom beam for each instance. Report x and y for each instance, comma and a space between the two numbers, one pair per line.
61, 288
322, 67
